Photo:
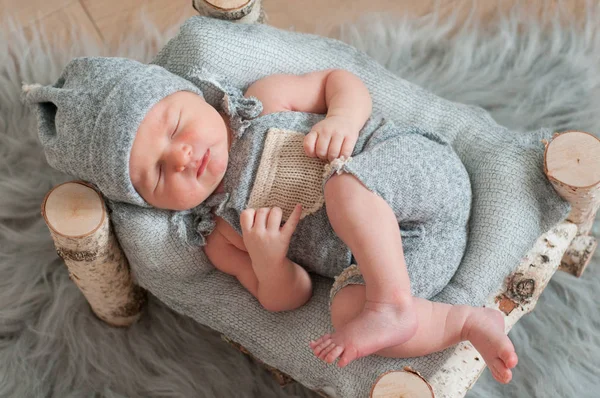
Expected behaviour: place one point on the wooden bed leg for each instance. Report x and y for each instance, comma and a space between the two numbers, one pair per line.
244, 11
572, 164
405, 383
77, 219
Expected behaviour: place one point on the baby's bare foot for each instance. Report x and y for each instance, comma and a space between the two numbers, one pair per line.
485, 330
379, 325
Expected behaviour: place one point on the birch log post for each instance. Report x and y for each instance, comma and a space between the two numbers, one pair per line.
572, 164
406, 383
465, 365
244, 11
76, 216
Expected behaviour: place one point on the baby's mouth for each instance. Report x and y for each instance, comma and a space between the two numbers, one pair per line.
203, 163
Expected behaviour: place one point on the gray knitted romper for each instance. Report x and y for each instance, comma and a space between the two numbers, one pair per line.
415, 171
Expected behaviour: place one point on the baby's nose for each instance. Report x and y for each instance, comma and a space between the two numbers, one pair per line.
183, 157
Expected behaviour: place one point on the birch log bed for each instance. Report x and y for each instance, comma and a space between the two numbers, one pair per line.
77, 218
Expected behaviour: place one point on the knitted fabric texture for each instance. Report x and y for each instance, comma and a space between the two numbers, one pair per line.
88, 119
287, 176
421, 179
512, 204
350, 276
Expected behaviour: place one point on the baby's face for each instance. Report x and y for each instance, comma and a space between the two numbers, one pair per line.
180, 152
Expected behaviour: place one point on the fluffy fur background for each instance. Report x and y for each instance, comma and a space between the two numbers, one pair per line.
52, 346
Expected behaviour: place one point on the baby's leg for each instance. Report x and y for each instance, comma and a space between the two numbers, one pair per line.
440, 326
366, 223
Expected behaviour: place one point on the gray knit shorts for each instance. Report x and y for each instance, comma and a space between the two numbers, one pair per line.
428, 188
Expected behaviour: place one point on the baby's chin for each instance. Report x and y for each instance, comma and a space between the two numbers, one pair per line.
207, 185
182, 203
191, 203
182, 206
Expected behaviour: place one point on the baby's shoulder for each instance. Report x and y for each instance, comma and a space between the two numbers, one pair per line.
268, 91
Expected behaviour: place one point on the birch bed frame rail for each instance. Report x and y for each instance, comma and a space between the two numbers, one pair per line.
77, 218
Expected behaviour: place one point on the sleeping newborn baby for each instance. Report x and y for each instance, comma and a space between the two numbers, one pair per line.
299, 176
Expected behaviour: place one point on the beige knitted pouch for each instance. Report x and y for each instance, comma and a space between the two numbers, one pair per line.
286, 176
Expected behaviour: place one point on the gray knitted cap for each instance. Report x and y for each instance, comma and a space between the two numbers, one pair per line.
88, 119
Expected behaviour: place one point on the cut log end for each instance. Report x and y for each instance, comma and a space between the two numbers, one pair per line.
227, 5
573, 157
73, 209
76, 217
406, 383
572, 164
242, 11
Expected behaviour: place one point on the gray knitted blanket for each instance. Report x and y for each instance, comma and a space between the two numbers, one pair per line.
512, 200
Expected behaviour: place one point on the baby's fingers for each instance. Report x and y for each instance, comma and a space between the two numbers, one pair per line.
322, 145
274, 220
247, 219
310, 141
335, 147
260, 220
292, 222
348, 146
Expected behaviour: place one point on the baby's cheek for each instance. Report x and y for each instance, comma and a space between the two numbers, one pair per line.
218, 165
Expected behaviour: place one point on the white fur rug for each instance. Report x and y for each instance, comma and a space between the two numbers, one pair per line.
52, 346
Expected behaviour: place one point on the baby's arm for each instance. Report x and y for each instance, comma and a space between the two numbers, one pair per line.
339, 93
228, 258
277, 286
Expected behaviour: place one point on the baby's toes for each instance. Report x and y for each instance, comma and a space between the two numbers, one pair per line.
348, 356
510, 358
326, 351
500, 372
505, 376
318, 341
334, 354
321, 346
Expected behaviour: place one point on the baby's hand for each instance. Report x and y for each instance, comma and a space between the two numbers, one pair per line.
331, 138
266, 240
